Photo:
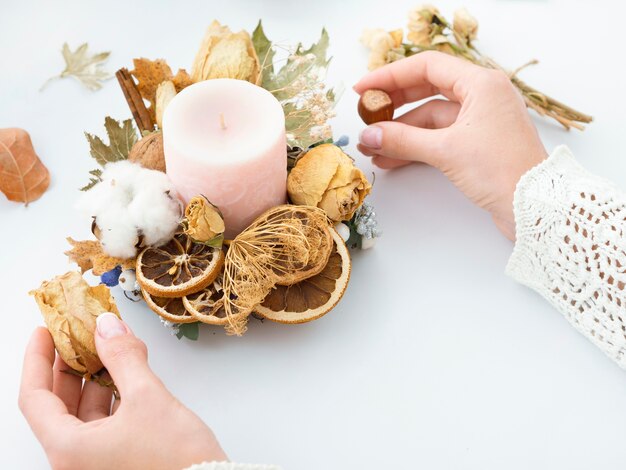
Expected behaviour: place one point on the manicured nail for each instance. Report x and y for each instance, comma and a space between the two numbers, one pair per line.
372, 137
109, 326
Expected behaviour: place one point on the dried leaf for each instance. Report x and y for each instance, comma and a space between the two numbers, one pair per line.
23, 178
165, 92
70, 308
96, 177
301, 66
151, 73
83, 67
121, 140
265, 53
89, 254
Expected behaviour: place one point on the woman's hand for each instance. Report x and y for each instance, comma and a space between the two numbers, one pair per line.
149, 429
481, 136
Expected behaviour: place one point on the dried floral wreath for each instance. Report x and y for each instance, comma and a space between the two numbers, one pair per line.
291, 265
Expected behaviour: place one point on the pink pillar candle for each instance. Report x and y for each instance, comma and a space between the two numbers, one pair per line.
225, 139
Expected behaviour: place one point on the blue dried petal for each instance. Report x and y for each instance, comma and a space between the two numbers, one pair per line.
111, 278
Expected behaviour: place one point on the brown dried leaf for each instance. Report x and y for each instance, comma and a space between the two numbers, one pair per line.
23, 178
151, 73
88, 254
70, 307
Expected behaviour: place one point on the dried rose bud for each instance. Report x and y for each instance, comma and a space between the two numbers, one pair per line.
70, 307
327, 178
204, 222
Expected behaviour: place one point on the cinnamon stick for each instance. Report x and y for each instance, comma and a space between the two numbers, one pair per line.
135, 101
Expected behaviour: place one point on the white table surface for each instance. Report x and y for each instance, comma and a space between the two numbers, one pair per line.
434, 359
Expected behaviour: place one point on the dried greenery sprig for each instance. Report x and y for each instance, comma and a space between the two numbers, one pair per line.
429, 30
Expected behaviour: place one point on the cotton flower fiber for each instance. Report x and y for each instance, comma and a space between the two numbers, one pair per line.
131, 201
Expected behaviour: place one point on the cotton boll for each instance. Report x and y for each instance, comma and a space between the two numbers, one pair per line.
129, 201
118, 233
155, 212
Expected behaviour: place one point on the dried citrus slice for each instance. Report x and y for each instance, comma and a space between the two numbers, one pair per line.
178, 268
313, 297
171, 309
207, 305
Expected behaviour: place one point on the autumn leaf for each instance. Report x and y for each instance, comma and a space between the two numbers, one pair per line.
151, 73
122, 137
88, 254
23, 178
83, 67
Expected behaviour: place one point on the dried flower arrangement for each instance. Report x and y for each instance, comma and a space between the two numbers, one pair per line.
291, 265
428, 30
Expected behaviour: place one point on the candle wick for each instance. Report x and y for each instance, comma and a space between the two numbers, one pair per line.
222, 122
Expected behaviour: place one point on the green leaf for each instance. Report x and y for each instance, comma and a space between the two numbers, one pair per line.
188, 330
85, 68
265, 53
318, 49
121, 140
95, 179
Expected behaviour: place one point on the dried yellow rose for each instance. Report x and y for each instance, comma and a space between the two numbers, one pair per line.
224, 54
421, 25
465, 26
327, 178
70, 307
203, 222
381, 44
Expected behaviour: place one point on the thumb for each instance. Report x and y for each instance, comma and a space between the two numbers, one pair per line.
396, 140
123, 354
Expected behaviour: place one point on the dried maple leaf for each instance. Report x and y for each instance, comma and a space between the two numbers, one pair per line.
88, 254
151, 73
122, 137
70, 307
83, 67
23, 178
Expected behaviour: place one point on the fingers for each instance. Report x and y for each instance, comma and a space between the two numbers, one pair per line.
95, 402
434, 114
45, 412
66, 385
408, 138
420, 76
124, 356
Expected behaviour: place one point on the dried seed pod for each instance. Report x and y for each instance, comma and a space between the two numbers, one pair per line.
375, 106
148, 152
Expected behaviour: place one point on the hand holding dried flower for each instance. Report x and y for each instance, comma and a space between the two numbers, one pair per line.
70, 308
327, 178
203, 222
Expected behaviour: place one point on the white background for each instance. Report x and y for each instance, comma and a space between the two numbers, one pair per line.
434, 359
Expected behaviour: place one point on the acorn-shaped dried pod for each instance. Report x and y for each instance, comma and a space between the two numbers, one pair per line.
375, 106
148, 152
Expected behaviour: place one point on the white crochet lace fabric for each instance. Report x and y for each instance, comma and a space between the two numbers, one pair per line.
571, 247
230, 466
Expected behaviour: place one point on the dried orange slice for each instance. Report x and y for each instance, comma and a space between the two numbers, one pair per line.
178, 268
313, 297
171, 309
207, 305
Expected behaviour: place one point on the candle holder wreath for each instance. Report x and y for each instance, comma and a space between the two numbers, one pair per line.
221, 207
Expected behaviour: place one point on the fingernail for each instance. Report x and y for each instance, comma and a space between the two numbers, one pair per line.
372, 137
109, 326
